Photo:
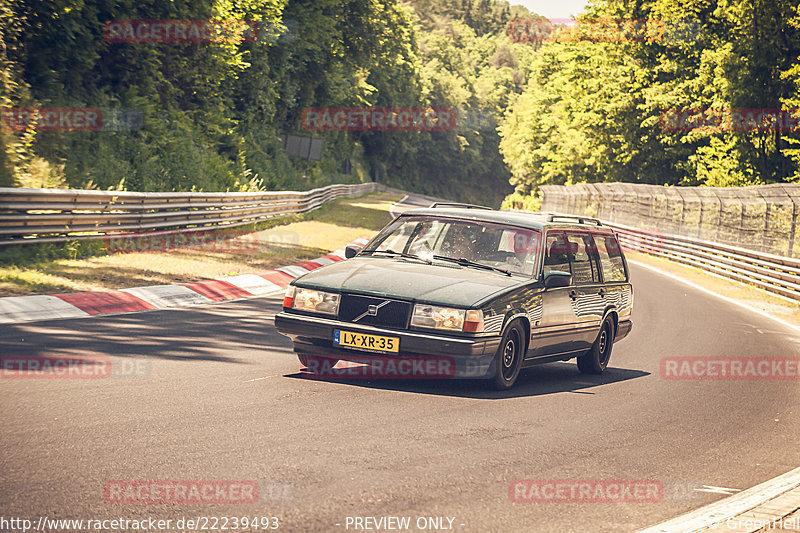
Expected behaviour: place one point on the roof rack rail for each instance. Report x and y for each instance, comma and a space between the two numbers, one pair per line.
551, 217
457, 204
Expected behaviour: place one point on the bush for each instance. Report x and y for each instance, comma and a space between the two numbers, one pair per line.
526, 202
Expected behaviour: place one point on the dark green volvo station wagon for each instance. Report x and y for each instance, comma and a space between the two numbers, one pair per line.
492, 291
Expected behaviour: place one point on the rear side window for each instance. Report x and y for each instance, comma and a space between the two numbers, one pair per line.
584, 269
571, 253
610, 258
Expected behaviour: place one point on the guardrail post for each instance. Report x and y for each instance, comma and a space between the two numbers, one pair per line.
793, 227
765, 231
741, 223
719, 219
700, 220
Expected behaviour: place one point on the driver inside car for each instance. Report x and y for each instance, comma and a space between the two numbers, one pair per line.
462, 246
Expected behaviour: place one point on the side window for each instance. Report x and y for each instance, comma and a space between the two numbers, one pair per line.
610, 258
593, 255
583, 267
556, 253
525, 246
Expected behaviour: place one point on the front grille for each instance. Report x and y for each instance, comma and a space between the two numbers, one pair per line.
393, 314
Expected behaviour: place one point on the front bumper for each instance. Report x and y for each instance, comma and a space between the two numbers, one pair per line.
314, 336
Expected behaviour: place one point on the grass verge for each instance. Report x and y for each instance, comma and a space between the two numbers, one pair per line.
86, 265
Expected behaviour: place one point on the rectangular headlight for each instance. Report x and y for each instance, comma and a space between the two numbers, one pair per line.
432, 316
316, 301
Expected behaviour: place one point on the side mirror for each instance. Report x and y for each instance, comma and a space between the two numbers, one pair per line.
557, 278
351, 250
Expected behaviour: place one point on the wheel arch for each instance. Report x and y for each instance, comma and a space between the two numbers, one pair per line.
522, 317
613, 313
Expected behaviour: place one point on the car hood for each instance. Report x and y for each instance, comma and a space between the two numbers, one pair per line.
406, 279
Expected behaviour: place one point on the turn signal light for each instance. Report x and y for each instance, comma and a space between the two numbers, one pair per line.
473, 322
288, 298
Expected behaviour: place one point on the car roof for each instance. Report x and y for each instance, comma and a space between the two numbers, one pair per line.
526, 219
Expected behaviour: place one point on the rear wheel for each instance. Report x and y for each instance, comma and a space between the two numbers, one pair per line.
316, 364
508, 359
596, 360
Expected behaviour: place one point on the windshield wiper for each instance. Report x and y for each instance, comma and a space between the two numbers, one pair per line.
401, 254
469, 262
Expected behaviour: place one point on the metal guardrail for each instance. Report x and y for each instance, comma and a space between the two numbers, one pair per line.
57, 215
774, 273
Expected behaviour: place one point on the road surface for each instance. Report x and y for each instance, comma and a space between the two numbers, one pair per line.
218, 395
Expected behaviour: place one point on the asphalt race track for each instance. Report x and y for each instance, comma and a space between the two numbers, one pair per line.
216, 394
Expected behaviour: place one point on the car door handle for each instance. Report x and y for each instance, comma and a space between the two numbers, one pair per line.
601, 292
573, 294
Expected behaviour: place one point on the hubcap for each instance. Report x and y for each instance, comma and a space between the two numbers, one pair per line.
508, 354
603, 346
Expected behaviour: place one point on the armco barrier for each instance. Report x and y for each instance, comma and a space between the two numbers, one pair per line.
53, 215
780, 275
747, 234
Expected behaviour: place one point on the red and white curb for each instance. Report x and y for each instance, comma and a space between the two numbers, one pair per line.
14, 309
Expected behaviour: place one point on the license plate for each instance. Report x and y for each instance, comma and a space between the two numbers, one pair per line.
368, 343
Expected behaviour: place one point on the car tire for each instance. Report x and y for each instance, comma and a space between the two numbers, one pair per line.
507, 361
313, 363
596, 359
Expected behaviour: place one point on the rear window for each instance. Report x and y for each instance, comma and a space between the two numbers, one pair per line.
611, 262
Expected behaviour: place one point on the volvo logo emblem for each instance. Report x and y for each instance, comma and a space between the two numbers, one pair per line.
372, 310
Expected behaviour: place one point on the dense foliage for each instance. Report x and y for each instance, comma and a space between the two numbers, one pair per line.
529, 113
212, 112
594, 109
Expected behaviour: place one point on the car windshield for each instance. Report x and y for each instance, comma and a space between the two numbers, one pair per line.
510, 249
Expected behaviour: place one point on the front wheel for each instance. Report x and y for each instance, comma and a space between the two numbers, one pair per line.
507, 361
595, 360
